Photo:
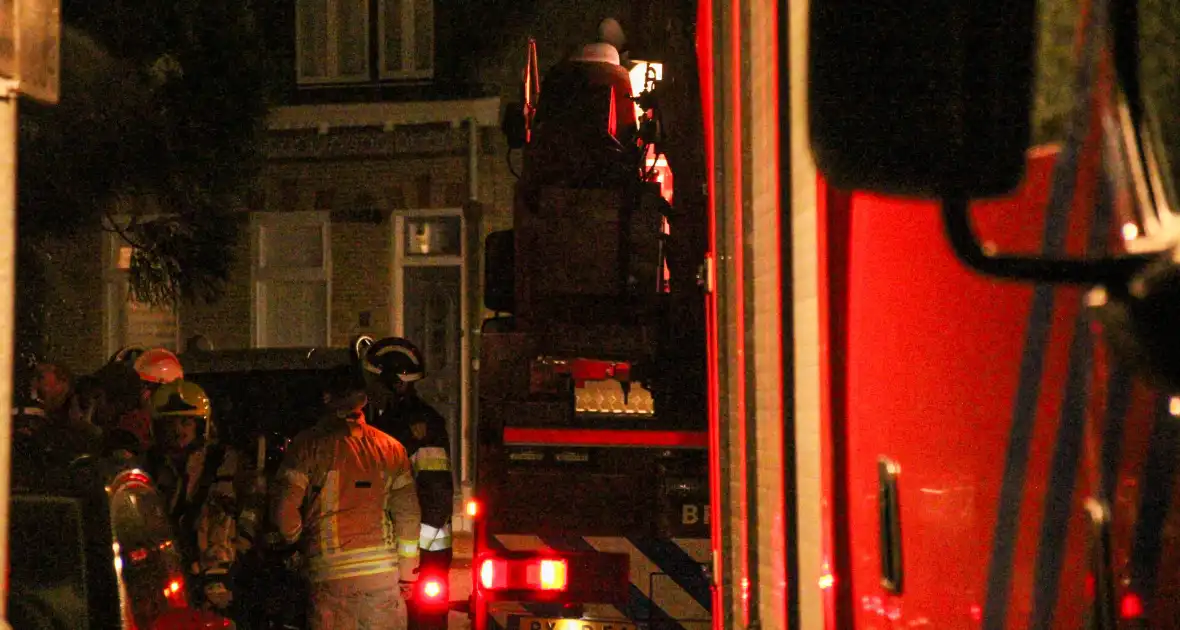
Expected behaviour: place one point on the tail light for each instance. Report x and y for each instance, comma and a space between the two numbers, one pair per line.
432, 594
1131, 606
535, 574
493, 574
472, 508
432, 590
548, 575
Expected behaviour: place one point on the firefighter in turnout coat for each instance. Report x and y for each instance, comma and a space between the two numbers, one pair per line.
397, 365
199, 478
345, 493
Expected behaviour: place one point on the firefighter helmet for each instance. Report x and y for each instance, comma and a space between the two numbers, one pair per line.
395, 357
155, 365
181, 399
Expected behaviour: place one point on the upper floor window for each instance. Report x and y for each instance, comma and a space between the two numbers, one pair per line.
334, 40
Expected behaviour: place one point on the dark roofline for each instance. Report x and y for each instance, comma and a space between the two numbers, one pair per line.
268, 359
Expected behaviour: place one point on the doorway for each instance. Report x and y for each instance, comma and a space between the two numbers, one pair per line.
430, 299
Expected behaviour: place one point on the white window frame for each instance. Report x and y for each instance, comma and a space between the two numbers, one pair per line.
111, 275
332, 49
409, 44
260, 273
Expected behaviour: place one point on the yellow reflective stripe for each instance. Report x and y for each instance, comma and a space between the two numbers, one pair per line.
432, 465
340, 575
388, 529
401, 481
329, 508
350, 555
294, 477
345, 561
432, 458
407, 548
369, 561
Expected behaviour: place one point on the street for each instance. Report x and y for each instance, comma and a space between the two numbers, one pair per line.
460, 579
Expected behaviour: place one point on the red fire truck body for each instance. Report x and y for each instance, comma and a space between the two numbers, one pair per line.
893, 439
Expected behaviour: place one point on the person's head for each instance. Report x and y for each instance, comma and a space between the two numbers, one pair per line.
122, 390
181, 416
52, 385
344, 397
611, 32
156, 367
397, 364
87, 399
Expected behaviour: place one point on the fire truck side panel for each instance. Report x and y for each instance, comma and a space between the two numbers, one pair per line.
940, 366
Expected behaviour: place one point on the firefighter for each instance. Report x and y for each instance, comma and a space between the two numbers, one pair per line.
398, 364
345, 494
198, 476
155, 368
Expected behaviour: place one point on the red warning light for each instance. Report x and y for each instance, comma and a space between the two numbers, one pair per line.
432, 589
1131, 607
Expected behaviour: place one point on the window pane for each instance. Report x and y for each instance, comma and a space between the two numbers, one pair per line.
134, 323
352, 36
434, 236
313, 38
296, 314
123, 261
423, 34
394, 34
300, 246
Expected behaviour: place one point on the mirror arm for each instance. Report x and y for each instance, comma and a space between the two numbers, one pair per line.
1114, 273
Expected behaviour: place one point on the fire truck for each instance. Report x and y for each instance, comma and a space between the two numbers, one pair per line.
592, 465
924, 366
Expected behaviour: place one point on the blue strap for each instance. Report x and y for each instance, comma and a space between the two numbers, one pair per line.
999, 579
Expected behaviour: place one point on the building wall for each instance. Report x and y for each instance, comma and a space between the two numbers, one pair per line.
361, 248
226, 322
74, 301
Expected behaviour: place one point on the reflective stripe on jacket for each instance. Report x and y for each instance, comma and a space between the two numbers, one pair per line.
348, 491
216, 531
423, 432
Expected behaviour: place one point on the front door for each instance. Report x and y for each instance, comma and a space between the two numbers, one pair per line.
429, 311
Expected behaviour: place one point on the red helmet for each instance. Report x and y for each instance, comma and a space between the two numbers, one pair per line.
155, 365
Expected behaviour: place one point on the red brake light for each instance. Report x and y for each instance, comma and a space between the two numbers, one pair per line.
1131, 607
472, 508
548, 575
432, 589
531, 574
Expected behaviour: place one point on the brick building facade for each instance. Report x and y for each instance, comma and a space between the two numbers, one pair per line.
385, 169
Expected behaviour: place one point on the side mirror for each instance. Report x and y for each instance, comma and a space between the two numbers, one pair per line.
921, 98
933, 98
499, 273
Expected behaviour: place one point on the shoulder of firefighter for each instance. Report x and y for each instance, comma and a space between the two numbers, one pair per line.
423, 432
228, 516
348, 498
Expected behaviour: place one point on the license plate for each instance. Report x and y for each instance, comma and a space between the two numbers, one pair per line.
541, 623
